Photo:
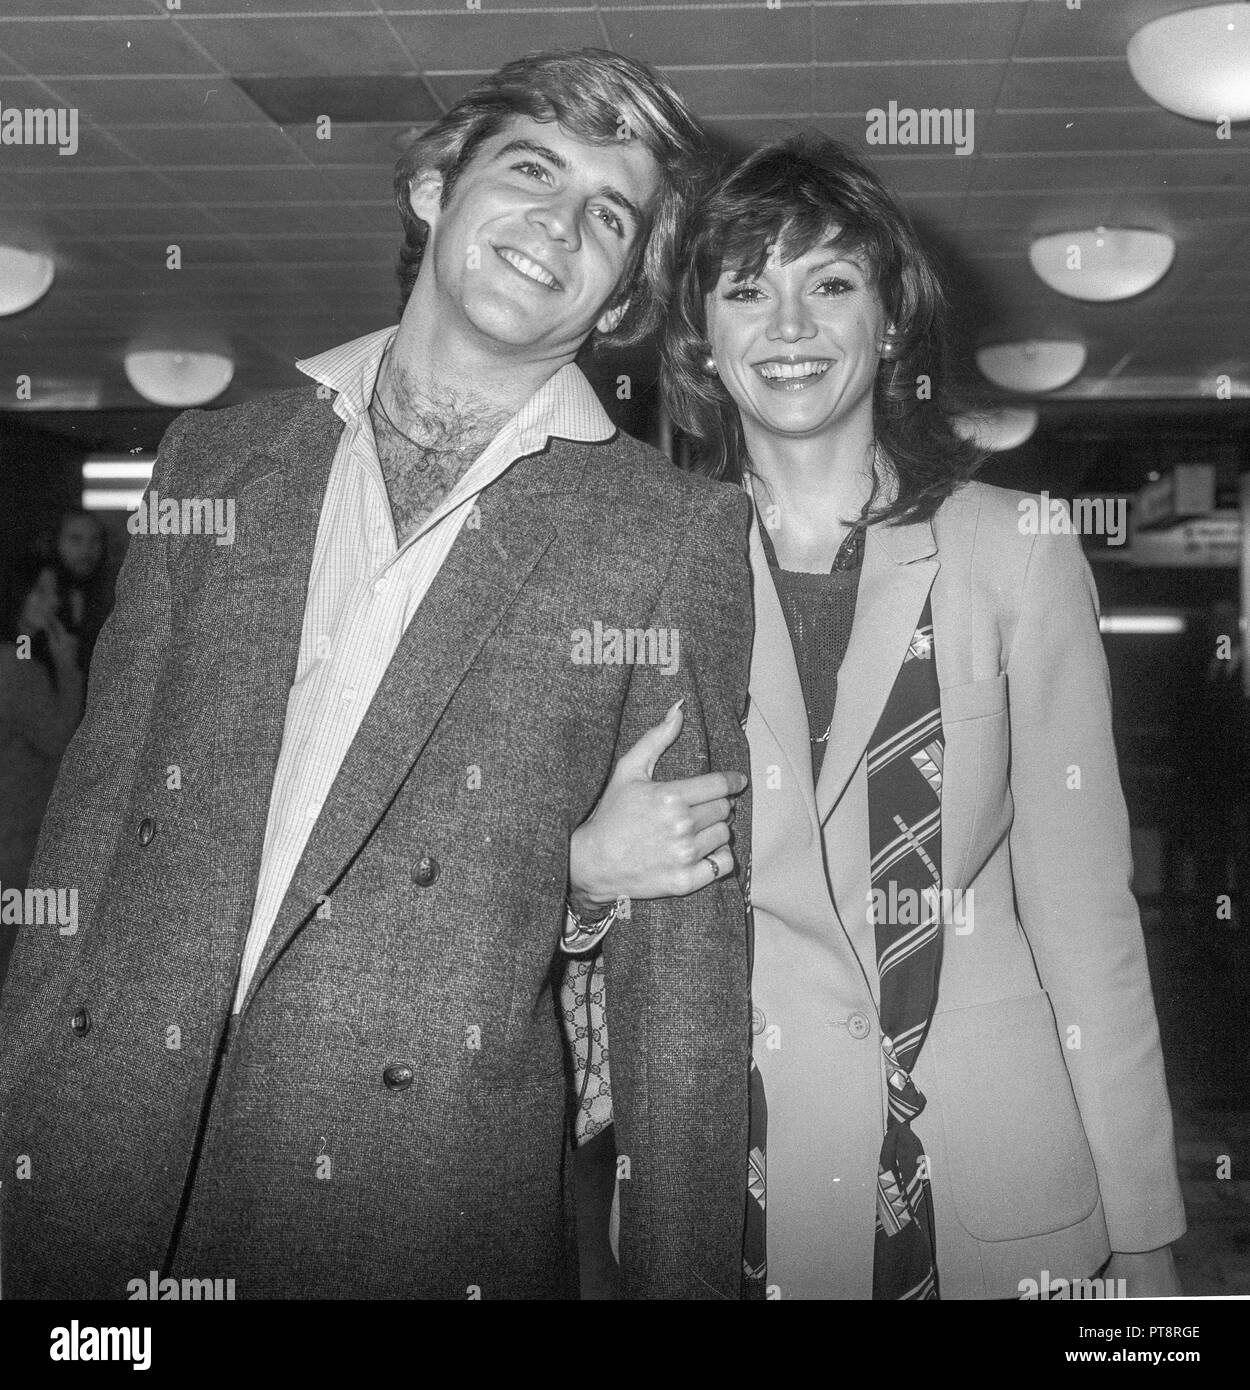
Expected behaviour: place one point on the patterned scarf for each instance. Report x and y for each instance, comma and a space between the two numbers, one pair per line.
905, 847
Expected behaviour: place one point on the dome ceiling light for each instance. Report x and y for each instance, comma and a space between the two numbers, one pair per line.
1104, 263
1196, 62
177, 377
998, 430
1036, 365
25, 277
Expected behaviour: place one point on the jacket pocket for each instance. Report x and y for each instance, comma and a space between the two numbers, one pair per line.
975, 699
1020, 1163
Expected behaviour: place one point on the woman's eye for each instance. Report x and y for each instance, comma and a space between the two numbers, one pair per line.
835, 285
610, 219
747, 294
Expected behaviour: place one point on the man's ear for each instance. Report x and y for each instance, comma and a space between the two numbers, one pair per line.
610, 318
425, 194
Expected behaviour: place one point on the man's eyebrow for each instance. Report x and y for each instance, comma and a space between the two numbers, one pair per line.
533, 147
613, 195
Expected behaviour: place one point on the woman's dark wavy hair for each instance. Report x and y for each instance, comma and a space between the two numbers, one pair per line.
600, 97
796, 194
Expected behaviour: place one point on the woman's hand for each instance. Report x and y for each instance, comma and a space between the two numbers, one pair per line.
650, 839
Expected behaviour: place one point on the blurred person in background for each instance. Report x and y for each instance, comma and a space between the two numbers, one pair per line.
81, 558
41, 700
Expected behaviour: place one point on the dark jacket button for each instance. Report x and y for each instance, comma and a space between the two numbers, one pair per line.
147, 828
81, 1023
425, 871
398, 1076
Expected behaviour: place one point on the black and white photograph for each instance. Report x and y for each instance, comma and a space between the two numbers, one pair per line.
622, 664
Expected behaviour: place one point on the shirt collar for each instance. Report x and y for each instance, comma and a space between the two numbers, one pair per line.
564, 406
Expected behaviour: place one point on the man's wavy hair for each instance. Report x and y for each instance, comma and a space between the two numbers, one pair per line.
597, 96
796, 194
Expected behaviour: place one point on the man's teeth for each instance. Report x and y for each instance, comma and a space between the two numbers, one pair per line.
786, 371
529, 268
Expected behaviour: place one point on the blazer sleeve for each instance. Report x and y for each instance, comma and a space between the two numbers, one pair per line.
1072, 866
87, 812
677, 974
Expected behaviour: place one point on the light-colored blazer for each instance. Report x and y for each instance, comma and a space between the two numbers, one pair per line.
1048, 1127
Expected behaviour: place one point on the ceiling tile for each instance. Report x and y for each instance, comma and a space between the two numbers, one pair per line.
683, 36
117, 47
148, 100
861, 86
486, 39
877, 33
757, 91
300, 47
190, 147
1052, 84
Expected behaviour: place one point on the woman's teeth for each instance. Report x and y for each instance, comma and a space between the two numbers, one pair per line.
790, 371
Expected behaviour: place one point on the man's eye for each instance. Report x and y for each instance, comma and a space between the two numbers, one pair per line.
536, 169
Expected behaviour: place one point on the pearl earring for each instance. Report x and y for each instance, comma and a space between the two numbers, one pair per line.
709, 365
890, 346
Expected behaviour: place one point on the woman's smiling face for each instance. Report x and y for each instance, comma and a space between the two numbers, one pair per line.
797, 347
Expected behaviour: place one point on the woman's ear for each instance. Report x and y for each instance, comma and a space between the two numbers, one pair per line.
425, 196
611, 318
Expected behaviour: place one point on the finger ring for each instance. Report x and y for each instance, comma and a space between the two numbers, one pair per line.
715, 867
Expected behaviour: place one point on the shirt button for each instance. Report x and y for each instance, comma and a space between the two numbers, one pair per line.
758, 1021
425, 871
147, 828
397, 1077
379, 586
312, 810
348, 694
858, 1026
81, 1023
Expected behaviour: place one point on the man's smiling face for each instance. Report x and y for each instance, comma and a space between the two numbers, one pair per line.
540, 229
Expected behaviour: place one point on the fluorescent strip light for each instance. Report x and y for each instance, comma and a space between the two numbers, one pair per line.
111, 499
117, 470
1142, 624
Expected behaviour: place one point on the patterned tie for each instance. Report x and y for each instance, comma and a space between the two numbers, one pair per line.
905, 841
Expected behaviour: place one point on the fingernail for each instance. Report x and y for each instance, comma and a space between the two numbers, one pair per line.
673, 709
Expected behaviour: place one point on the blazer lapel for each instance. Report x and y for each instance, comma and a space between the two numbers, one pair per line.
898, 569
775, 691
478, 581
279, 507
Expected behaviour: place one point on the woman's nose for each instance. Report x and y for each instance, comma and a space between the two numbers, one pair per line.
791, 320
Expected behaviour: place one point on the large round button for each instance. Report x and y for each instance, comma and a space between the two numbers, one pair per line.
758, 1021
425, 871
147, 828
398, 1076
858, 1026
81, 1023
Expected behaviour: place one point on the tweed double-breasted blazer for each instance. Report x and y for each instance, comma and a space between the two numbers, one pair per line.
148, 1133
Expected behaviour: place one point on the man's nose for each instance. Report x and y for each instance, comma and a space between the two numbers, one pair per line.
559, 219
